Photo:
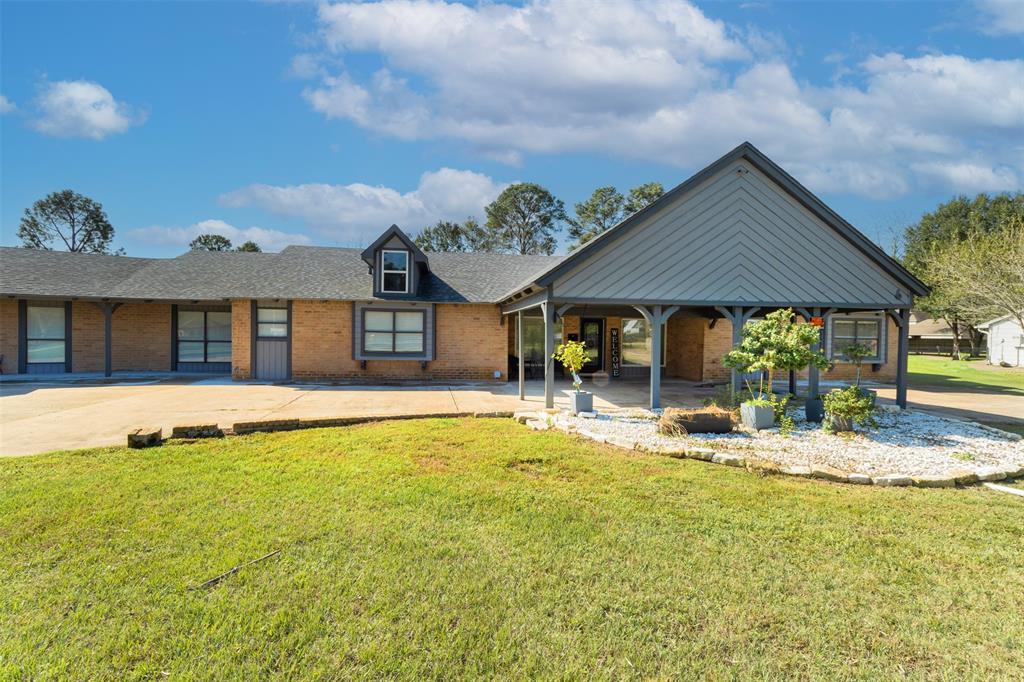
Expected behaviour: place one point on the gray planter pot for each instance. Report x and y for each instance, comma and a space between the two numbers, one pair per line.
581, 402
841, 423
873, 394
814, 409
756, 416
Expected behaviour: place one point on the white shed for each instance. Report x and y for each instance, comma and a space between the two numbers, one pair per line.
1005, 341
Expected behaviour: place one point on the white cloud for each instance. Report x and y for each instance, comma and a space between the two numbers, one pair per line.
82, 109
1002, 17
269, 240
358, 213
661, 81
6, 105
971, 177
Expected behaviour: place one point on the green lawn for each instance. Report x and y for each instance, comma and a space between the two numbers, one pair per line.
942, 372
477, 548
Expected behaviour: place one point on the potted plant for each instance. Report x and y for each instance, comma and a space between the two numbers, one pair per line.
848, 406
855, 353
776, 343
573, 355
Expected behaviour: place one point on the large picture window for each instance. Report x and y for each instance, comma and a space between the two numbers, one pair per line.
45, 337
847, 331
393, 331
204, 336
394, 272
636, 342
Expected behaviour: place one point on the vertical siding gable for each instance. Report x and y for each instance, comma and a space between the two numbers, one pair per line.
737, 237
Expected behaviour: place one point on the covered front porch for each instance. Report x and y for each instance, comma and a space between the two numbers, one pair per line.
684, 344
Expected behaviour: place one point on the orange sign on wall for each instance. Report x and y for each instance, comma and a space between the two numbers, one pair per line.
818, 321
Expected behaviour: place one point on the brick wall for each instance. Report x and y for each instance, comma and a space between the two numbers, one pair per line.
241, 339
140, 337
9, 335
471, 344
685, 347
717, 342
87, 337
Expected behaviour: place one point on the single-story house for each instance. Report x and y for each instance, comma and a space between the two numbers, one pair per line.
668, 287
930, 334
1005, 343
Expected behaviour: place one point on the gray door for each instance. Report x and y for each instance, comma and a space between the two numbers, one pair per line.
273, 342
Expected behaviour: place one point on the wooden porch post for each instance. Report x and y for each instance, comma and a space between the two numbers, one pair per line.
548, 310
519, 354
737, 336
655, 324
812, 371
108, 324
902, 320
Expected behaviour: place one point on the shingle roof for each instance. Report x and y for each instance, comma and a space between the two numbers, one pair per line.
298, 272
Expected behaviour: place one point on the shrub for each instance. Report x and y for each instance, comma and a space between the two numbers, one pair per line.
851, 403
677, 422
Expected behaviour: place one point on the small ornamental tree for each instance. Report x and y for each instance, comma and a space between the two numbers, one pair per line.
855, 353
775, 344
572, 355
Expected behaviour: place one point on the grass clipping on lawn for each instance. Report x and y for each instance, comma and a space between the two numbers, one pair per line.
680, 422
476, 548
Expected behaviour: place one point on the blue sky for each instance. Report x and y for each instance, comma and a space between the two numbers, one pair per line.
306, 123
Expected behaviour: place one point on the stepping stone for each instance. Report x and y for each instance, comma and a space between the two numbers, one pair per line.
703, 454
860, 479
991, 474
727, 459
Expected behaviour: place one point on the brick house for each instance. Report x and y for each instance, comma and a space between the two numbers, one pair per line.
669, 286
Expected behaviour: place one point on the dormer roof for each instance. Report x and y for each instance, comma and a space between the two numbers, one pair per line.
393, 232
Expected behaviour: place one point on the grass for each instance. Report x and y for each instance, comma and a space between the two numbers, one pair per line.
942, 372
477, 548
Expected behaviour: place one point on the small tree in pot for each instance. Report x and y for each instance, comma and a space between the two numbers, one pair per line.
776, 343
855, 354
847, 407
573, 355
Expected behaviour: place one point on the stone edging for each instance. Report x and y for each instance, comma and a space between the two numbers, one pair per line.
149, 438
542, 421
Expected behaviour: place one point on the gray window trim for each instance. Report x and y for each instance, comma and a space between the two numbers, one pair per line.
206, 341
391, 354
407, 272
883, 331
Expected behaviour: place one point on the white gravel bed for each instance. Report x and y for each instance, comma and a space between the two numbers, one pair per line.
906, 443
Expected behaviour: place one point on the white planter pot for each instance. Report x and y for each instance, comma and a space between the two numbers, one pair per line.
757, 416
581, 402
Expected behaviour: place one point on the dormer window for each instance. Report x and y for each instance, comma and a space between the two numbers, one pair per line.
394, 271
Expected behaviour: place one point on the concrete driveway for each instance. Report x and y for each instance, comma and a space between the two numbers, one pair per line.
39, 417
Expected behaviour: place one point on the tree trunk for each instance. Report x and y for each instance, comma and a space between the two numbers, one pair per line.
954, 326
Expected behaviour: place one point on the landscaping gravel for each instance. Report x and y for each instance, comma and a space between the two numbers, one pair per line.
903, 443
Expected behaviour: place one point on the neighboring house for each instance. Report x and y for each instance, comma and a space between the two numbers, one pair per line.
1005, 341
735, 241
930, 334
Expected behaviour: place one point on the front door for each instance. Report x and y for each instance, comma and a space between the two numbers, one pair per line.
592, 334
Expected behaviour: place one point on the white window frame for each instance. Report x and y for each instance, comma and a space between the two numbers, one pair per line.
880, 320
406, 271
622, 341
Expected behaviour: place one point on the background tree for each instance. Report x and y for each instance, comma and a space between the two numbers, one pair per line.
525, 218
595, 215
67, 218
210, 242
606, 207
987, 269
936, 239
642, 196
447, 235
250, 247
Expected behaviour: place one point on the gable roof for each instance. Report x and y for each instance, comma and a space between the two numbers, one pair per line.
297, 272
394, 231
775, 173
